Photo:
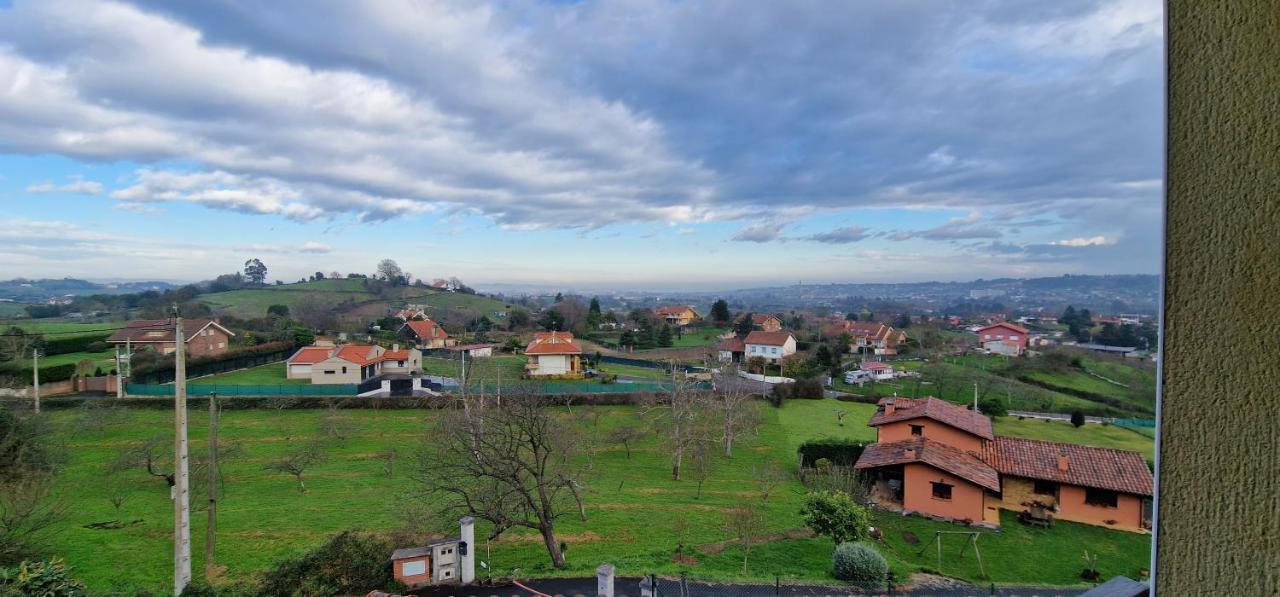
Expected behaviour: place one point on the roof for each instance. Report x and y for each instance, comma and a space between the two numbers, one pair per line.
1107, 347
553, 343
395, 355
1099, 468
678, 310
734, 344
966, 465
310, 355
867, 329
425, 329
767, 338
360, 354
905, 409
136, 330
1004, 324
425, 550
759, 318
874, 366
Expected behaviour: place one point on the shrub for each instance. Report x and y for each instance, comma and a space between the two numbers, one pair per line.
1077, 418
859, 563
835, 514
842, 452
40, 578
98, 346
993, 408
348, 564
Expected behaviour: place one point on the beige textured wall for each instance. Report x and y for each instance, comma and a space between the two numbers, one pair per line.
1219, 516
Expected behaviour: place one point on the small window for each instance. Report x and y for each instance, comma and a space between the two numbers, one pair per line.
941, 491
344, 370
399, 363
1045, 488
1101, 497
1013, 337
917, 430
328, 371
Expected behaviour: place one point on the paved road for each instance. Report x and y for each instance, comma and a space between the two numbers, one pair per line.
629, 587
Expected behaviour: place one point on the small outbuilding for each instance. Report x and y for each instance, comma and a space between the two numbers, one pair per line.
447, 561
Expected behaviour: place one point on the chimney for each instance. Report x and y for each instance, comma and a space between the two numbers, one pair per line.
467, 550
888, 407
1062, 461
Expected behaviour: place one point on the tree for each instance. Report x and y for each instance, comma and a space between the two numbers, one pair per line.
295, 461
744, 524
835, 514
626, 434
992, 407
744, 325
720, 312
768, 478
390, 271
255, 271
1077, 418
683, 411
552, 320
28, 505
318, 276
902, 322
512, 462
278, 311
517, 319
593, 312
736, 411
664, 338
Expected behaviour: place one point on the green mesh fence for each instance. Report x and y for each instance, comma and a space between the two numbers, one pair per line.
245, 390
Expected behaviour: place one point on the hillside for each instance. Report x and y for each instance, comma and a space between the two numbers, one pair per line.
345, 298
23, 290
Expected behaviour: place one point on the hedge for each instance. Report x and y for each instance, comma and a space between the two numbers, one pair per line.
839, 452
47, 374
54, 346
249, 356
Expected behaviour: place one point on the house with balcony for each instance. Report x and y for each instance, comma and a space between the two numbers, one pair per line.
681, 315
771, 346
553, 354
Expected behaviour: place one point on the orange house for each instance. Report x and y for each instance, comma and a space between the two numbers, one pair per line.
942, 460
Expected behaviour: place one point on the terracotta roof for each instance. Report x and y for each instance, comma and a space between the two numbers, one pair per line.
758, 318
553, 343
866, 329
874, 366
734, 344
965, 465
359, 354
674, 310
395, 355
1004, 324
767, 338
939, 410
138, 329
310, 355
426, 329
1101, 468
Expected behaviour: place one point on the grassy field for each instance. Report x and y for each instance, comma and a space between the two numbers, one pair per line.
12, 310
63, 329
630, 504
104, 359
254, 302
1091, 434
698, 337
272, 374
633, 371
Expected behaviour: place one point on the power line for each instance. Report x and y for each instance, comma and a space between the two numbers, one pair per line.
61, 333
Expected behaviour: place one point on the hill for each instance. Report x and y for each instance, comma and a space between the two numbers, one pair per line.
22, 290
347, 298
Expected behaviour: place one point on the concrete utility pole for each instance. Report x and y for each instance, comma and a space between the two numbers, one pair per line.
181, 478
35, 376
210, 530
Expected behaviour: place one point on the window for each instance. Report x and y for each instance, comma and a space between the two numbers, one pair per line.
941, 491
775, 350
414, 568
399, 363
986, 336
1045, 488
328, 371
917, 430
1014, 337
344, 370
1101, 497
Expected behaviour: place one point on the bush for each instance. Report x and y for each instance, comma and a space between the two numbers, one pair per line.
993, 408
835, 514
40, 578
98, 346
810, 389
1077, 418
841, 452
859, 563
53, 346
348, 564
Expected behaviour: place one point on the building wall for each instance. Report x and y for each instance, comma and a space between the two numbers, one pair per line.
319, 375
1003, 347
939, 432
414, 579
551, 364
1127, 514
210, 341
298, 371
1015, 491
967, 501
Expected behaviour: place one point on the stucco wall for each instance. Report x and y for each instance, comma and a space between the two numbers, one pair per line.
966, 501
939, 432
1218, 531
1127, 514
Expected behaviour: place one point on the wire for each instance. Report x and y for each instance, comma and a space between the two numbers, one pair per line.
61, 333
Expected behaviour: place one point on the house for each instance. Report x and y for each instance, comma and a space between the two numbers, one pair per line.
447, 561
553, 354
445, 285
472, 351
1003, 338
765, 322
872, 336
425, 333
350, 363
772, 346
877, 370
942, 460
203, 337
681, 316
731, 349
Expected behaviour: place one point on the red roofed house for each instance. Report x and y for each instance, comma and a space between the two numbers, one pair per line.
935, 458
870, 336
772, 346
765, 323
411, 311
203, 337
682, 315
350, 363
731, 349
1003, 338
426, 334
553, 354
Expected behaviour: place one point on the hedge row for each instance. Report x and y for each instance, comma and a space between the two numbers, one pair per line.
54, 346
162, 370
839, 452
47, 374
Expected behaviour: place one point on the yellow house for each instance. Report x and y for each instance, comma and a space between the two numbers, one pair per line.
677, 315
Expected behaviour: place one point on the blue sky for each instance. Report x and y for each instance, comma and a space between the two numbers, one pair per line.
641, 143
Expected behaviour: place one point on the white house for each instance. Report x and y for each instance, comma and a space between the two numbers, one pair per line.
772, 346
553, 353
473, 350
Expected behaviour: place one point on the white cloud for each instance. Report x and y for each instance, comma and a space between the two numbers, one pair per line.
1096, 241
76, 187
315, 247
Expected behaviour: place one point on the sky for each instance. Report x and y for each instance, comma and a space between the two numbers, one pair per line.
629, 144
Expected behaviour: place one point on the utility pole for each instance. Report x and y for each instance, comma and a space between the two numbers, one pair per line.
181, 478
211, 529
975, 396
35, 376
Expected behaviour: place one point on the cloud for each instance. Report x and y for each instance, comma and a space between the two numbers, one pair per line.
840, 236
955, 229
1095, 241
760, 233
76, 187
315, 247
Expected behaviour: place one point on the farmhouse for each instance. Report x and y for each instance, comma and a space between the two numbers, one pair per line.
1003, 338
765, 322
553, 354
425, 333
938, 459
350, 363
772, 346
731, 349
204, 337
681, 315
872, 336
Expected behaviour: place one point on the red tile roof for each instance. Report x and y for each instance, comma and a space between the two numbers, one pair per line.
939, 410
553, 343
874, 366
1004, 324
462, 347
425, 329
767, 338
310, 355
674, 310
734, 344
138, 330
395, 355
359, 354
1101, 468
965, 465
866, 329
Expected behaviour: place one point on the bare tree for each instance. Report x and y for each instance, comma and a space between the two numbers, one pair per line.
297, 460
28, 508
683, 412
152, 455
511, 461
389, 462
116, 488
389, 270
736, 411
743, 524
768, 477
703, 463
337, 423
626, 434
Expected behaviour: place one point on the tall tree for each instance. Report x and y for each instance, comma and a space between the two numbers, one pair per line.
684, 413
390, 271
255, 271
720, 312
744, 325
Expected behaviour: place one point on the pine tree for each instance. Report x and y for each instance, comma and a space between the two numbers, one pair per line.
664, 336
720, 312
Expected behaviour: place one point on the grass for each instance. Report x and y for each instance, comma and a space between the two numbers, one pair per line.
104, 359
254, 302
12, 309
63, 329
1091, 434
637, 515
506, 369
698, 337
266, 375
634, 371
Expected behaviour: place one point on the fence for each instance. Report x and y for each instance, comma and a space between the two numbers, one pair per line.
1135, 422
572, 387
648, 364
137, 389
685, 586
165, 375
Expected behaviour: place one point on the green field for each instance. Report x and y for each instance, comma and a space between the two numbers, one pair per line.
254, 302
634, 371
698, 337
12, 310
62, 329
104, 359
266, 375
1091, 434
637, 515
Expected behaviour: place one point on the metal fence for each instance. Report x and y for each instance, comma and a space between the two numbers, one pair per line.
1135, 422
575, 387
136, 389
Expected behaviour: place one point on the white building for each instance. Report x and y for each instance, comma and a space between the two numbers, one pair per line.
772, 346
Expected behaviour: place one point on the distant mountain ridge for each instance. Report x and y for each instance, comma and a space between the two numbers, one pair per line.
25, 290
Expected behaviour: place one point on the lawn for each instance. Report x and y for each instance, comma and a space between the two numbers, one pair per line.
254, 302
637, 515
506, 369
698, 337
634, 371
104, 359
63, 329
266, 375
